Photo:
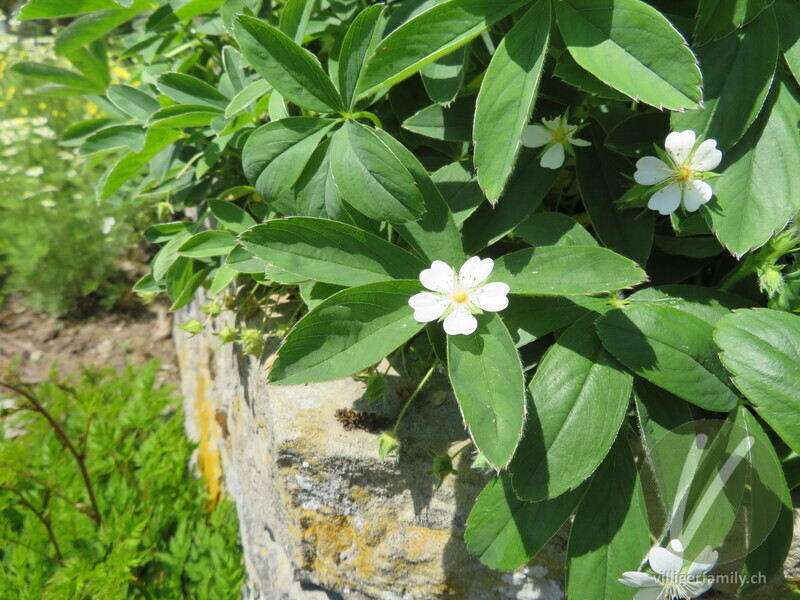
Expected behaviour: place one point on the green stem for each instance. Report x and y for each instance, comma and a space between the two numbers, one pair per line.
367, 115
411, 398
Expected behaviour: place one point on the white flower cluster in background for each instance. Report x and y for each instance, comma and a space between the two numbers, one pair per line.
23, 130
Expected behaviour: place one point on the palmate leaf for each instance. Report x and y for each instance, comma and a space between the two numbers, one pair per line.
429, 36
580, 395
371, 178
737, 73
487, 379
630, 46
759, 190
507, 96
348, 332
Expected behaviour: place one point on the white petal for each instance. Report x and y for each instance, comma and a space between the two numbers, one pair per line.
679, 145
651, 170
704, 562
652, 593
695, 194
707, 157
553, 158
427, 307
668, 561
491, 297
578, 142
666, 201
474, 271
460, 321
536, 136
698, 588
639, 579
439, 278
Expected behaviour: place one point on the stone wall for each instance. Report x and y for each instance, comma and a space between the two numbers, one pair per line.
321, 516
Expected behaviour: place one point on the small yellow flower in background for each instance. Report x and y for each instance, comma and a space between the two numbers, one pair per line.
23, 111
119, 74
42, 105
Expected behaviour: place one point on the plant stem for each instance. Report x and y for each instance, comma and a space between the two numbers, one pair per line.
45, 521
412, 396
62, 435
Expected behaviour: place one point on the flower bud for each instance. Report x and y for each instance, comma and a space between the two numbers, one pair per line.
387, 443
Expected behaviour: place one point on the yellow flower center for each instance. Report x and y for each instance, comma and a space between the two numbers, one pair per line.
559, 135
683, 174
460, 297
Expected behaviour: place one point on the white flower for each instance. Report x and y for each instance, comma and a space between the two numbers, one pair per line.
683, 173
34, 171
108, 225
556, 135
458, 296
672, 581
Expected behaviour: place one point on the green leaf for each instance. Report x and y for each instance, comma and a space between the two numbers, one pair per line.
243, 261
208, 243
184, 286
371, 178
230, 215
707, 304
90, 27
718, 18
759, 190
580, 395
183, 115
788, 15
451, 123
610, 534
348, 332
133, 101
505, 532
429, 36
294, 18
55, 9
527, 189
764, 562
247, 96
315, 193
275, 154
330, 251
553, 229
114, 138
630, 46
575, 75
76, 134
222, 279
125, 168
761, 347
529, 318
566, 270
358, 42
315, 292
435, 236
636, 135
601, 180
459, 187
737, 73
506, 98
185, 89
670, 348
57, 75
444, 77
290, 69
487, 379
